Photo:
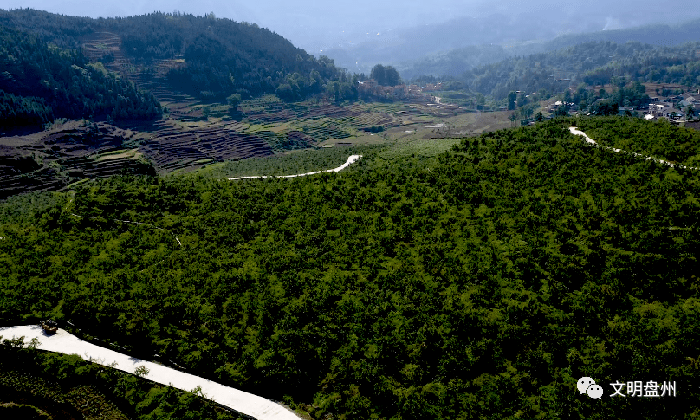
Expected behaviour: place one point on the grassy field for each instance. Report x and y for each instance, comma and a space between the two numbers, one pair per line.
420, 148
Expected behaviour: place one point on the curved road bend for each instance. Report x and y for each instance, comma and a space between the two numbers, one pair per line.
352, 159
64, 342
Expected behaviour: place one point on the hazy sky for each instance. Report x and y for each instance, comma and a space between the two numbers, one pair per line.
313, 24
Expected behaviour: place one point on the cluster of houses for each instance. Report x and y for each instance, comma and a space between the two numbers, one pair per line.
556, 105
429, 87
672, 108
371, 87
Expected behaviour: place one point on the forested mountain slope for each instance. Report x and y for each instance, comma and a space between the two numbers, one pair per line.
479, 284
593, 63
39, 82
221, 57
662, 140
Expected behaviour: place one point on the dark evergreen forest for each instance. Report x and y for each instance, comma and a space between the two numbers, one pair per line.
222, 57
478, 284
39, 82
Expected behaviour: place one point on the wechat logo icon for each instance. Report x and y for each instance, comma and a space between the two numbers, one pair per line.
588, 386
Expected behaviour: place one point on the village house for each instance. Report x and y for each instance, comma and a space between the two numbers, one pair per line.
370, 87
368, 84
657, 110
623, 110
691, 101
432, 87
401, 91
674, 115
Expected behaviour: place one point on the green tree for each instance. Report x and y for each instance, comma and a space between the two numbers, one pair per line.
385, 76
141, 371
284, 91
511, 100
234, 100
605, 108
690, 112
562, 111
378, 73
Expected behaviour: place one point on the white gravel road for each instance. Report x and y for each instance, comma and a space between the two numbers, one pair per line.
64, 342
578, 132
352, 159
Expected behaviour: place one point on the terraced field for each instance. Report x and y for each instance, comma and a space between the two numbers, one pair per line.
283, 126
175, 149
50, 160
192, 134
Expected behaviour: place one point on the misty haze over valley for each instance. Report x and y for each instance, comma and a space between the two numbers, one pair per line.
360, 34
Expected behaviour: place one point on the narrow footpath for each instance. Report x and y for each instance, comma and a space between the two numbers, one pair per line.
64, 342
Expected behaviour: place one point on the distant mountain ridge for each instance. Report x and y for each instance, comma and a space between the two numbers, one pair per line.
456, 61
410, 44
658, 34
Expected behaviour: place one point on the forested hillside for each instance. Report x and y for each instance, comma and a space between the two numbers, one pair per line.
593, 63
221, 57
662, 140
39, 82
454, 63
479, 284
